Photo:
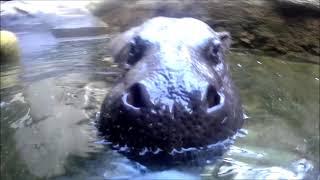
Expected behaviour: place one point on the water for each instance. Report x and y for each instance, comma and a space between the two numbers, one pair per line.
49, 102
281, 100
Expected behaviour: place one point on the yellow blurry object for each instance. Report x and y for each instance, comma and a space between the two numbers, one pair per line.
9, 48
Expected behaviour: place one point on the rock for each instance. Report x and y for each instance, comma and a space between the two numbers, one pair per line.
307, 5
63, 20
9, 47
255, 24
80, 26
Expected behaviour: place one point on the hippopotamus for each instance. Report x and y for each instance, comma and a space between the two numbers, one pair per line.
176, 92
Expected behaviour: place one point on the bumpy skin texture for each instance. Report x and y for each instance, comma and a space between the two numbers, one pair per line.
177, 92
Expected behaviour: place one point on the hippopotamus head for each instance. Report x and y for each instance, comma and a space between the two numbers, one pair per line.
176, 93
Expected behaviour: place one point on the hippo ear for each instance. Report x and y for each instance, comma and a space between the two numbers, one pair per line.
120, 45
225, 39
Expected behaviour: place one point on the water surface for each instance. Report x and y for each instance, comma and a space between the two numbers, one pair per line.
49, 102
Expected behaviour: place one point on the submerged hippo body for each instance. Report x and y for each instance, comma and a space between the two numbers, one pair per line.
177, 93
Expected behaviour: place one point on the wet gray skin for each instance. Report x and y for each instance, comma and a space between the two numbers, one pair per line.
177, 93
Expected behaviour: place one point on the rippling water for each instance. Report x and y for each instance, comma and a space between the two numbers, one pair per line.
49, 102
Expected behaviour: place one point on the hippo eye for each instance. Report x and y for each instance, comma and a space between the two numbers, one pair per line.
214, 51
136, 49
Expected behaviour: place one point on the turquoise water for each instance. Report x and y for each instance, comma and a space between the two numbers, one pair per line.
49, 102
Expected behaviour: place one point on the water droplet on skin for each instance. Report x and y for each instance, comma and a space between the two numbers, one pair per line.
124, 148
116, 146
157, 151
245, 116
243, 132
143, 152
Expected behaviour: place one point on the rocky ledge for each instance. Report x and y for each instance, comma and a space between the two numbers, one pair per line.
288, 28
59, 18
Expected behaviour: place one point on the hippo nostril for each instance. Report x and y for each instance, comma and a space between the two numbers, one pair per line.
213, 98
137, 96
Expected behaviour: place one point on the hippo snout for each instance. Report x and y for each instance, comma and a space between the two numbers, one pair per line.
177, 92
138, 96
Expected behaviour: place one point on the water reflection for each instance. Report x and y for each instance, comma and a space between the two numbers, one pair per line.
55, 127
48, 118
